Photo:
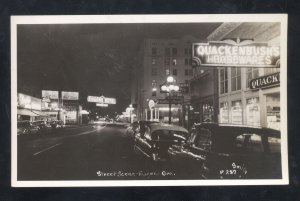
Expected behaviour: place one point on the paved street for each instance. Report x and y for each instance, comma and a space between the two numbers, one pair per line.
84, 153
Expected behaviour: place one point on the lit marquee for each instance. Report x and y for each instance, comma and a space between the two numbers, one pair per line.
230, 53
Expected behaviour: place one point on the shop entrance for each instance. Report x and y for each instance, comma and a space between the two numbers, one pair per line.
273, 110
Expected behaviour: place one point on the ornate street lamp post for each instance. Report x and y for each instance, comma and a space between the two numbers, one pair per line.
170, 87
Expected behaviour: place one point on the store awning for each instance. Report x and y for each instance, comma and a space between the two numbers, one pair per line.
32, 113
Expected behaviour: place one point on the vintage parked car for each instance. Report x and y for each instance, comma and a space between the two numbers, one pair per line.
138, 126
26, 127
222, 151
57, 124
41, 124
157, 138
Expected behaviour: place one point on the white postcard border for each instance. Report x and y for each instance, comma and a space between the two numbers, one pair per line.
90, 19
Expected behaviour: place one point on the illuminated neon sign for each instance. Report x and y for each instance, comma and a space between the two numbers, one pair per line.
101, 99
231, 53
265, 81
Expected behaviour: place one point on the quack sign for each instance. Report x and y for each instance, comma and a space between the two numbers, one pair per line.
265, 81
238, 54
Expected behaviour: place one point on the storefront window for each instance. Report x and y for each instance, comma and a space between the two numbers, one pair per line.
252, 112
273, 111
224, 113
251, 74
235, 79
236, 112
208, 112
223, 81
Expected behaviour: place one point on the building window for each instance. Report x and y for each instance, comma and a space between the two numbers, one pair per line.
167, 72
223, 81
271, 70
186, 51
190, 51
235, 79
154, 51
167, 61
186, 72
153, 61
190, 61
174, 62
207, 112
167, 51
174, 71
190, 72
154, 71
251, 74
174, 51
186, 61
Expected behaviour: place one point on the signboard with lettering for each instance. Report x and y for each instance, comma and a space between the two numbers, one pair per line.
174, 100
50, 94
101, 99
265, 81
231, 53
29, 102
101, 105
69, 95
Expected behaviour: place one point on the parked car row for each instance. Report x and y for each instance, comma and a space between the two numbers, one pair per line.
27, 127
35, 127
210, 150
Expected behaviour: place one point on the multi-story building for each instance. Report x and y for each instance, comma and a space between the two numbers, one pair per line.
158, 59
239, 102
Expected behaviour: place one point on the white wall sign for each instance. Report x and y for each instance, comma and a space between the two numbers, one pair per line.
68, 95
50, 94
29, 102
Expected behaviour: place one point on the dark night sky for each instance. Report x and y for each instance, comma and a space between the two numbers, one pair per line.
94, 59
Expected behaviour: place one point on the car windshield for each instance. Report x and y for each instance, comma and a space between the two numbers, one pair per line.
244, 143
168, 135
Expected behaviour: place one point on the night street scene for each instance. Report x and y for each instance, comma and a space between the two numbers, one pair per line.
149, 101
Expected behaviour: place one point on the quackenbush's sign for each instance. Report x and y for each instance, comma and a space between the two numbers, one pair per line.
230, 53
265, 81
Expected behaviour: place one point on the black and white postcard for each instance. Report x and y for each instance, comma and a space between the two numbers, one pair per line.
149, 100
